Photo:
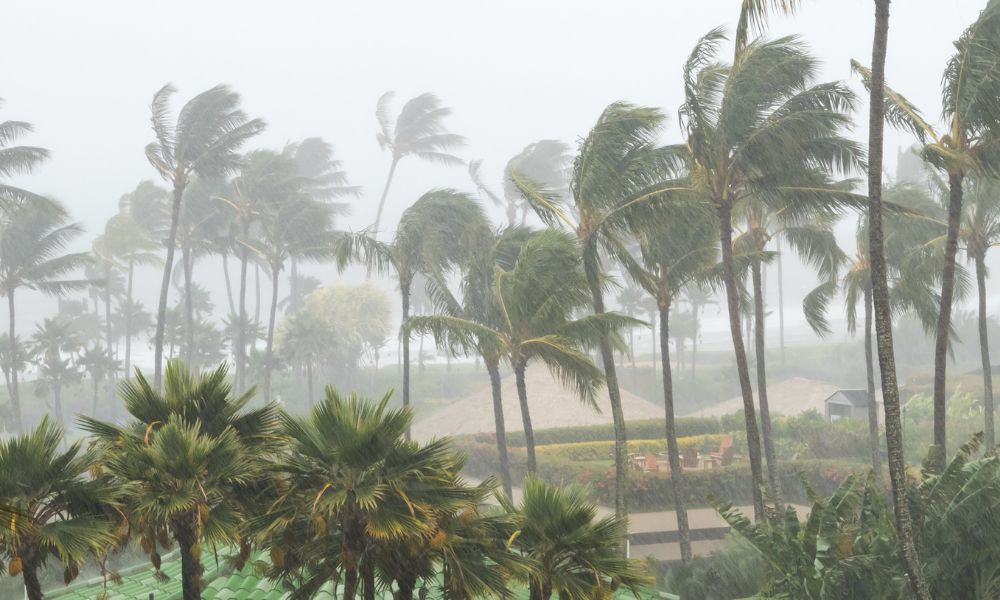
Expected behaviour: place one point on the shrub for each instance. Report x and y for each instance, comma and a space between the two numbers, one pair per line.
587, 451
646, 429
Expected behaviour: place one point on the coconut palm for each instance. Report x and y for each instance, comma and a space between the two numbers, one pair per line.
697, 296
979, 232
537, 299
767, 135
191, 457
59, 508
417, 131
968, 145
349, 486
545, 162
575, 555
881, 309
303, 339
99, 365
438, 232
33, 238
630, 303
18, 160
10, 362
619, 175
53, 346
203, 142
673, 258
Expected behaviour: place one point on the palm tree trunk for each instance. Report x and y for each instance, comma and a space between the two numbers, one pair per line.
309, 382
631, 345
350, 583
256, 304
241, 333
781, 303
989, 436
742, 367
229, 283
883, 311
293, 287
15, 397
695, 308
493, 368
183, 528
592, 270
652, 336
404, 289
29, 573
367, 580
128, 319
107, 332
381, 202
760, 355
168, 263
873, 435
96, 382
673, 451
275, 272
187, 260
529, 432
941, 335
57, 402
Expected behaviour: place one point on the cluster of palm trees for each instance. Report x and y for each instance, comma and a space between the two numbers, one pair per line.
335, 496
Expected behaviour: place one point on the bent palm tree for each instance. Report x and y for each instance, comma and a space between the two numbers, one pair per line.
203, 142
618, 178
438, 232
32, 239
417, 131
18, 160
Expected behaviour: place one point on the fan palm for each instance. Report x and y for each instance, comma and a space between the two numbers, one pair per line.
575, 555
191, 457
32, 240
980, 231
618, 176
438, 232
350, 484
202, 142
59, 509
672, 258
969, 145
760, 134
18, 160
881, 308
418, 131
536, 299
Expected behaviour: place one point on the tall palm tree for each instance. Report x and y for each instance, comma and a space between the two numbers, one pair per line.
966, 146
418, 131
203, 142
191, 457
980, 231
59, 508
18, 160
545, 162
33, 238
438, 232
98, 364
303, 339
673, 258
575, 555
53, 346
618, 176
537, 299
762, 134
882, 311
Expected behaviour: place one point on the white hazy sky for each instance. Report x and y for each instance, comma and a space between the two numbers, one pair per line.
514, 72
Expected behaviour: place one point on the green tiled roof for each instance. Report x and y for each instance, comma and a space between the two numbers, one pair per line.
139, 582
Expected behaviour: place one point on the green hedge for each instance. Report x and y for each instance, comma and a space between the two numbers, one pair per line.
594, 451
646, 429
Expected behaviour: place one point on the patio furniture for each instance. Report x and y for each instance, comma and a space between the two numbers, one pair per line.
725, 454
690, 458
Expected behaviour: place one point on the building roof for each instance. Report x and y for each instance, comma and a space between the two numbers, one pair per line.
854, 397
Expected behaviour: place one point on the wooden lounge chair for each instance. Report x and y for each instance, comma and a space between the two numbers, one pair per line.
651, 466
724, 457
690, 459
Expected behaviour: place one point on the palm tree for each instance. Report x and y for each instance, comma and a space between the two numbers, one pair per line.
418, 131
58, 508
698, 296
18, 160
438, 232
545, 162
630, 302
980, 231
32, 240
881, 308
618, 177
98, 364
303, 339
575, 555
349, 486
762, 134
10, 362
192, 460
203, 142
536, 299
53, 346
673, 258
970, 86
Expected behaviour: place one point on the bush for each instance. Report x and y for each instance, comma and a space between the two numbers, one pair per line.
587, 451
647, 429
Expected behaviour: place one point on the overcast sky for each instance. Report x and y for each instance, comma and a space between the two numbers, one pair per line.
513, 71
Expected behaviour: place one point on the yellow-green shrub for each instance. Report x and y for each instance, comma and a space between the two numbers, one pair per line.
587, 451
